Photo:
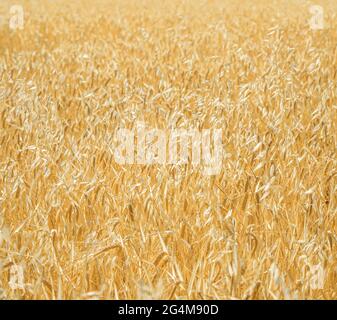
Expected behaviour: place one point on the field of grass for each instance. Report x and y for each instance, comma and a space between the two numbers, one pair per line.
74, 224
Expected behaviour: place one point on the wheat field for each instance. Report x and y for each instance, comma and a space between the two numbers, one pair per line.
74, 224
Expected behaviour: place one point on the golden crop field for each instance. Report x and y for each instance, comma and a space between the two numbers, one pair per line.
75, 224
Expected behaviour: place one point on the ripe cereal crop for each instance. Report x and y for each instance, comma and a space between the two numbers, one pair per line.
77, 224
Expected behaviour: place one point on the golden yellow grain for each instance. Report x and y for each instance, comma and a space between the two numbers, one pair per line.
80, 226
